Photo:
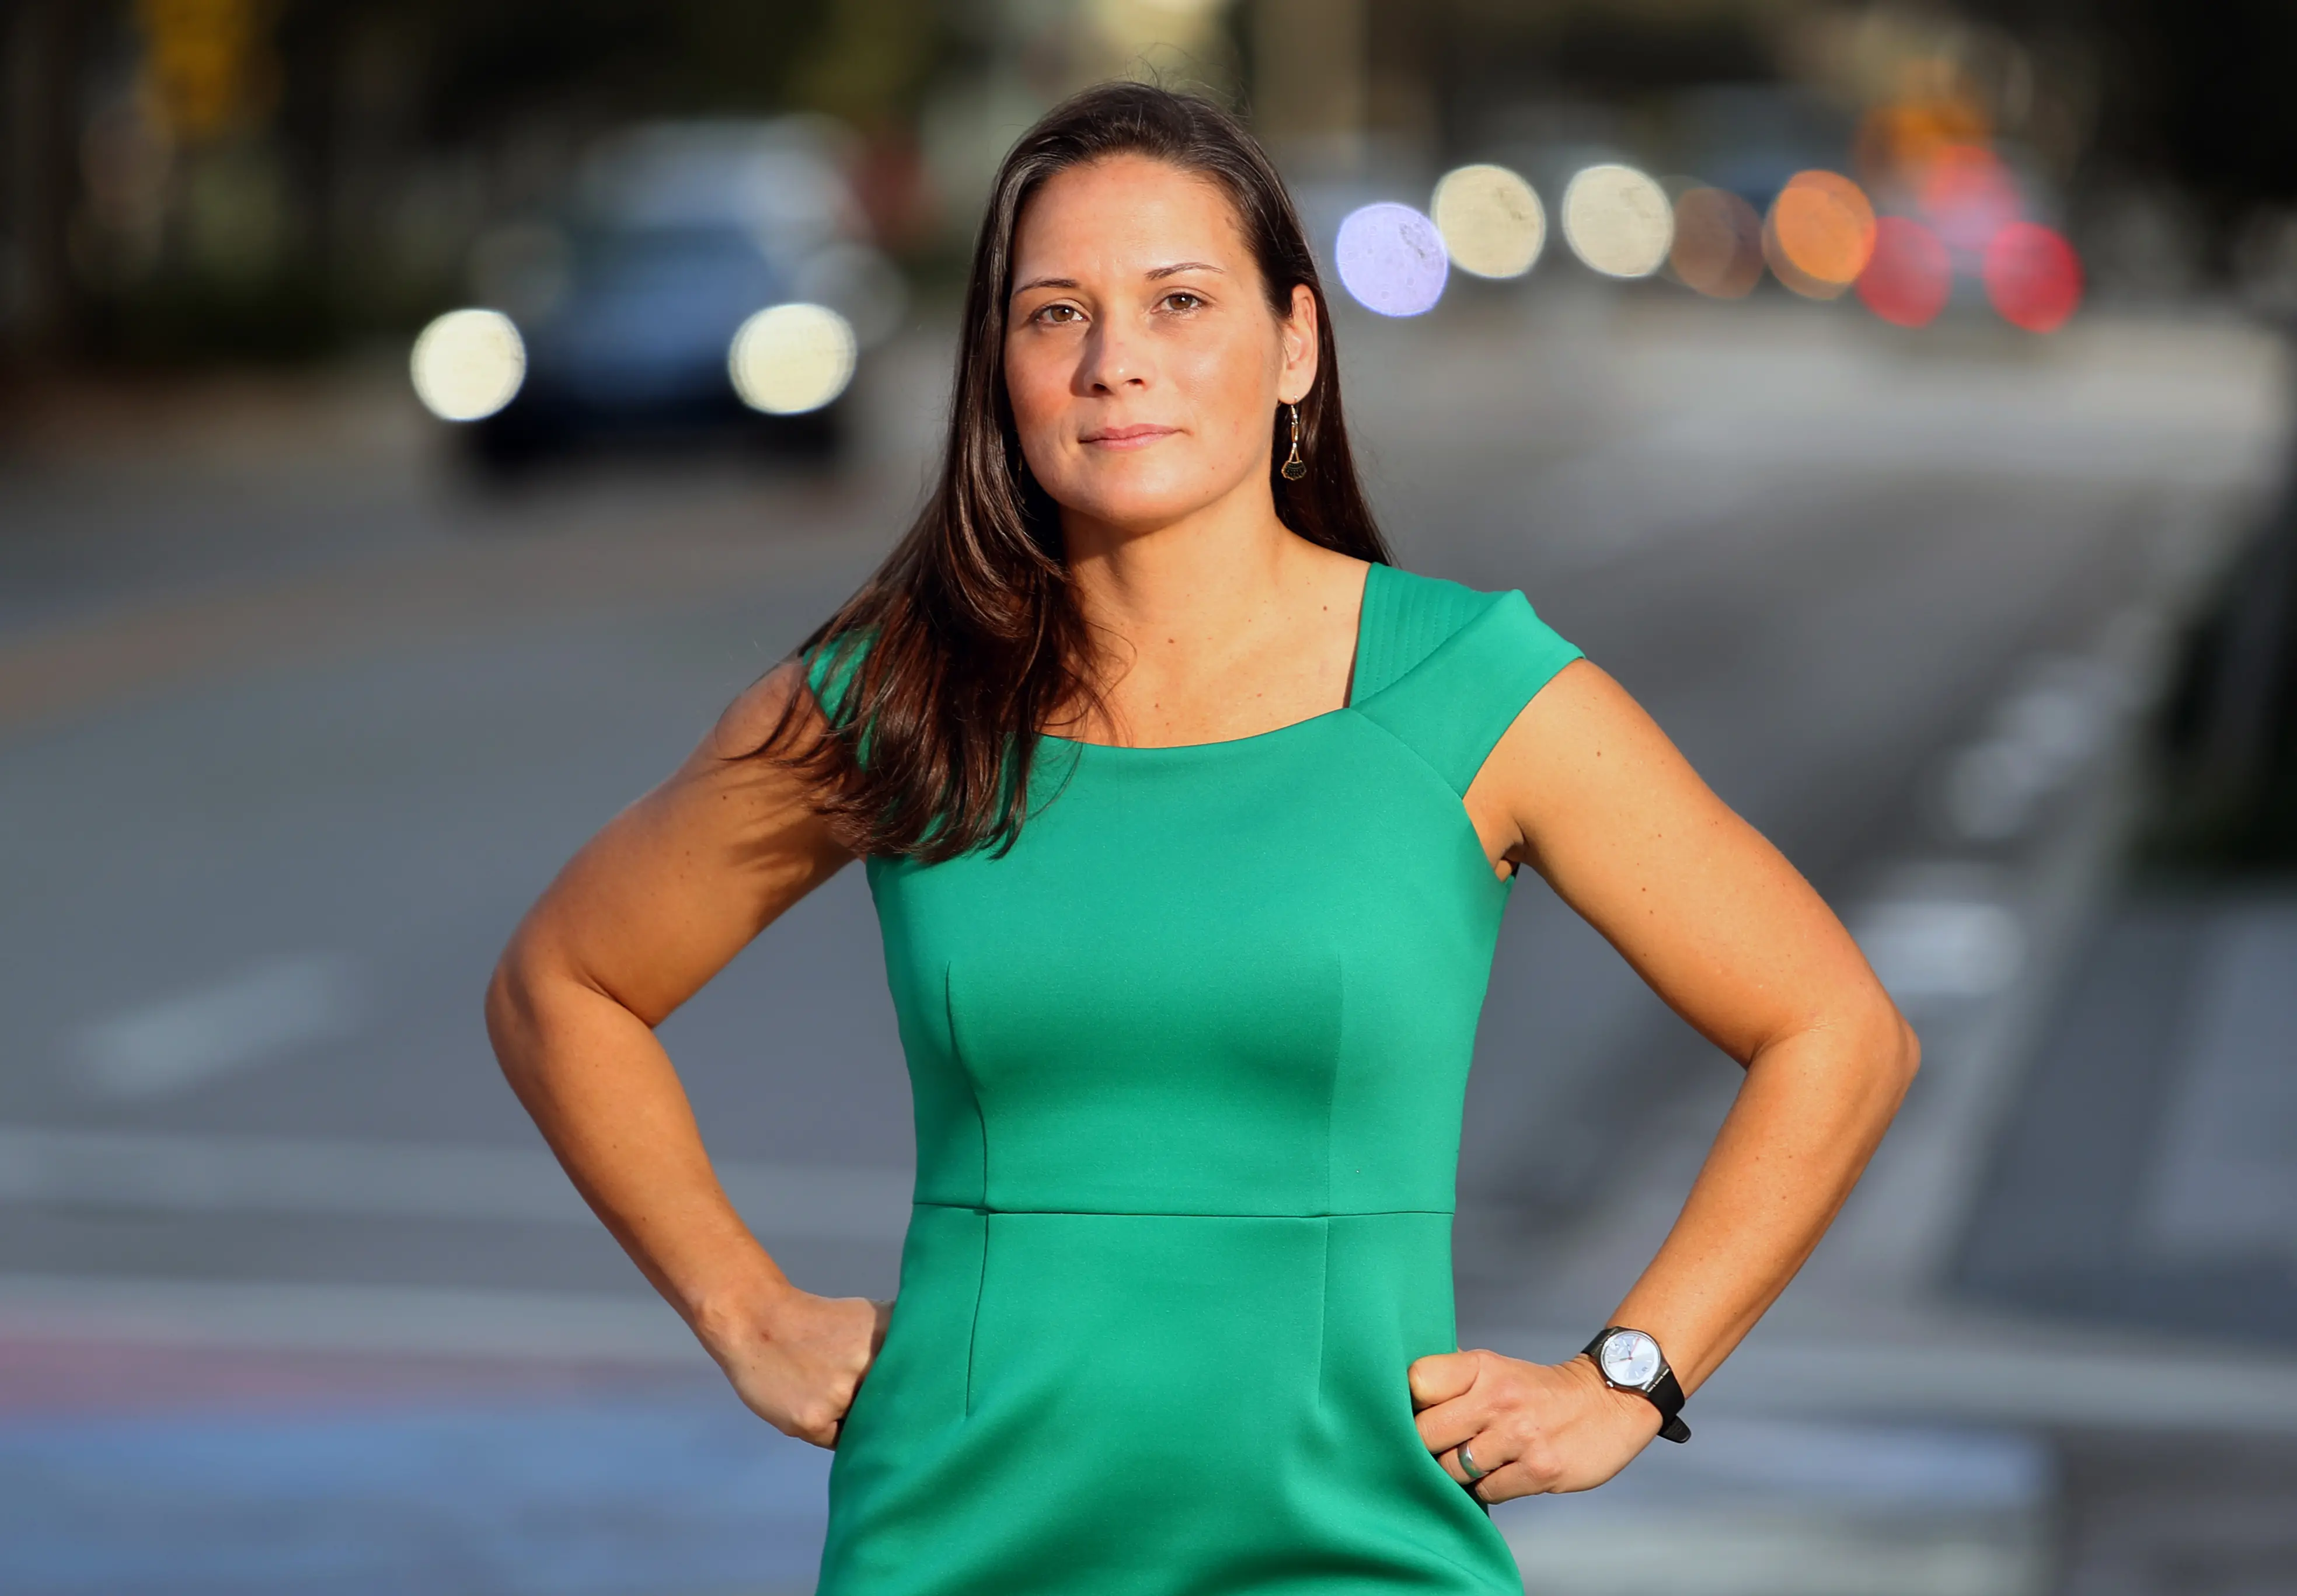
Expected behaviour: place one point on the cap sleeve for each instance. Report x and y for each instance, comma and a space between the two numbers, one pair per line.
831, 666
1455, 703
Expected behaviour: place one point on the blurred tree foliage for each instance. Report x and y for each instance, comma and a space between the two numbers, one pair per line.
865, 59
290, 173
2225, 769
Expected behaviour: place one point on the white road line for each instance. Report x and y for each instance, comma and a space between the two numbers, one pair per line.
1926, 948
188, 1173
188, 1038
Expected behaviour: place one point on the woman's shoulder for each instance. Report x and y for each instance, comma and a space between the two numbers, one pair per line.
811, 688
762, 711
1446, 669
1409, 619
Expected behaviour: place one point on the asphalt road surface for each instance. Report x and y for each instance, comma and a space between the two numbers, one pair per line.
293, 725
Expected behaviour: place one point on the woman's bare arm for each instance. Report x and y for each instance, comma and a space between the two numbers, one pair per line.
649, 911
1587, 790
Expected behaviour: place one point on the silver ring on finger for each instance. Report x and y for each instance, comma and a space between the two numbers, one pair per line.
1468, 1463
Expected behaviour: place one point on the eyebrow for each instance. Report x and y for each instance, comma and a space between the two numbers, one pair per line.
1156, 275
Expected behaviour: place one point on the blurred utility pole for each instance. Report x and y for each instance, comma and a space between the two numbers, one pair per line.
39, 124
1311, 89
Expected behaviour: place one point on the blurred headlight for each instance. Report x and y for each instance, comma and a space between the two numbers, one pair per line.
791, 358
468, 364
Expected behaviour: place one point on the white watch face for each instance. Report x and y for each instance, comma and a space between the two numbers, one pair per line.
1629, 1357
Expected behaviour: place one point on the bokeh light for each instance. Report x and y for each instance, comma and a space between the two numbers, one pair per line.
1392, 260
1909, 275
1819, 232
1491, 220
2033, 277
1903, 138
1718, 243
791, 358
467, 365
1617, 220
1968, 196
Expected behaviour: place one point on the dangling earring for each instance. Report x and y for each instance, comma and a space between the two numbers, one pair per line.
1295, 468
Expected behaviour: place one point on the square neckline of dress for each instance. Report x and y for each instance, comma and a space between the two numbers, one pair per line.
1355, 658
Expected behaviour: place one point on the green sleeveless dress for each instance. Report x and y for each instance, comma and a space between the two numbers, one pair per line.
1188, 1066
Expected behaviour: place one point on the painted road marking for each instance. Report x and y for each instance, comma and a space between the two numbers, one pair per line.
191, 1038
1927, 947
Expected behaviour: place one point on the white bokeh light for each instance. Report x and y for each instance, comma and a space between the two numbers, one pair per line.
467, 365
1491, 220
1617, 220
1392, 260
791, 358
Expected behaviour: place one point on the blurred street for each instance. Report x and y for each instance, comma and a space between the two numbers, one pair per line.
295, 719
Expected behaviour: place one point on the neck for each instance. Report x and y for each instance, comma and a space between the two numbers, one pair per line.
1189, 586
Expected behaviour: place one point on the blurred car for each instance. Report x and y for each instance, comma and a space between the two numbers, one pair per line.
702, 278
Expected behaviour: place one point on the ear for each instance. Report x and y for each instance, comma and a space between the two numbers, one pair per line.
1298, 331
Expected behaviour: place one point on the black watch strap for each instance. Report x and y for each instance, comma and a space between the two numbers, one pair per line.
1664, 1393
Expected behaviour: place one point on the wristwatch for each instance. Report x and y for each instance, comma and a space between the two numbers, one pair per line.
1630, 1361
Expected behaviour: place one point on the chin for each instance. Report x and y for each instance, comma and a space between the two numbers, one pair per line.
1136, 501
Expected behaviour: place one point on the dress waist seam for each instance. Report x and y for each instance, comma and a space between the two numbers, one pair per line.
983, 1208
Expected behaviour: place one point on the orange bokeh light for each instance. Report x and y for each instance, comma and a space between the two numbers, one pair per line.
1819, 233
1902, 139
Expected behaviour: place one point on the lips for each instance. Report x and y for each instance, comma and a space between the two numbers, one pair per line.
1134, 436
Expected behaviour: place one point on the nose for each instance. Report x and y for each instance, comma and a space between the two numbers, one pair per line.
1116, 359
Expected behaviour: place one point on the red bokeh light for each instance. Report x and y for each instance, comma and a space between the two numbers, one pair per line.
1909, 275
1969, 196
2033, 277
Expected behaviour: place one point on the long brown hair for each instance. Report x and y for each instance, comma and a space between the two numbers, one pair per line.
935, 678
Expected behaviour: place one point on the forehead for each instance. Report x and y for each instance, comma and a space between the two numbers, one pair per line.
1125, 213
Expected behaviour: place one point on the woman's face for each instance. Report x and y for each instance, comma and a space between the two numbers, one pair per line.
1142, 360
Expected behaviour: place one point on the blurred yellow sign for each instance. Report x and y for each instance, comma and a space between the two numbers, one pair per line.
209, 64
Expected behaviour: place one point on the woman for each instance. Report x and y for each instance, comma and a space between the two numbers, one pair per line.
1189, 821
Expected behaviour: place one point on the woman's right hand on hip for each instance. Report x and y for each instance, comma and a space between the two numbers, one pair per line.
797, 1359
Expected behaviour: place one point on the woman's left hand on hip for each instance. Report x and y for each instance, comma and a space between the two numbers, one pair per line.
1528, 1427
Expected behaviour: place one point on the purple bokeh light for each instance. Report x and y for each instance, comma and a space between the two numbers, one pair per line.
1392, 260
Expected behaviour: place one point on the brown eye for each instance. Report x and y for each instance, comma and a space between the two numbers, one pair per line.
1057, 314
1184, 301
